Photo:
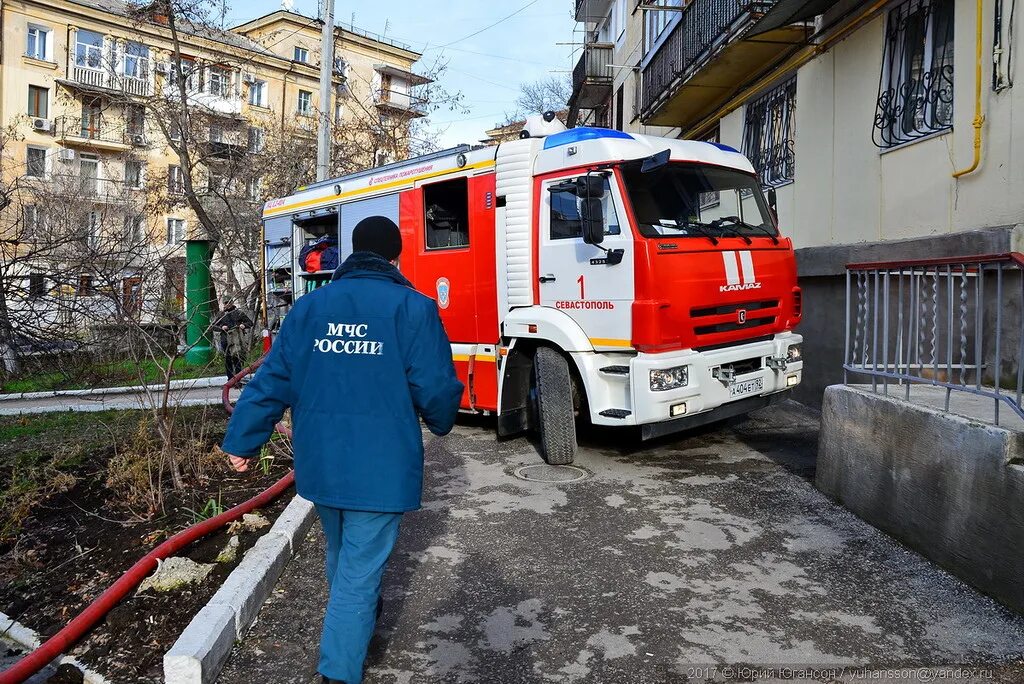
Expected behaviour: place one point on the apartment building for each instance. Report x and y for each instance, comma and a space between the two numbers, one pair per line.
862, 115
83, 83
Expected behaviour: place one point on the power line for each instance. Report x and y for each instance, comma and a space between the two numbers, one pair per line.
490, 26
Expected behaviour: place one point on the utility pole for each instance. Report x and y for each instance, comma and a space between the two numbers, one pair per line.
323, 137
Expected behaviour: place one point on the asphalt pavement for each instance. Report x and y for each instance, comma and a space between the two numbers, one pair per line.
709, 548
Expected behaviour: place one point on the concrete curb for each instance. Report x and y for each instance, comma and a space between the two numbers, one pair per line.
175, 385
101, 406
26, 638
202, 649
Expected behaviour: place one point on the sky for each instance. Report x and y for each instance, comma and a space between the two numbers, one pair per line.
487, 68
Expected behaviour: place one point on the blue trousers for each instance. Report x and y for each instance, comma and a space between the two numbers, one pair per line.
358, 546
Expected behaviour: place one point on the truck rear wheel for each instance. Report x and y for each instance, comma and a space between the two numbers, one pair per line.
555, 416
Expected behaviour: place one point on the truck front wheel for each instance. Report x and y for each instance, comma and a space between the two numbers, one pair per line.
554, 406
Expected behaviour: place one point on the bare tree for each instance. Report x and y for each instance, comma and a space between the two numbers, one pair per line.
543, 95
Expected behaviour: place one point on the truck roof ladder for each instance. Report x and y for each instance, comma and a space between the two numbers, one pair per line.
394, 166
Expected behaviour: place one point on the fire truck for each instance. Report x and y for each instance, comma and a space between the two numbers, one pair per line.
582, 274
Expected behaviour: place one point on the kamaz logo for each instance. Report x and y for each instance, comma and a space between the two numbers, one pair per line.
735, 264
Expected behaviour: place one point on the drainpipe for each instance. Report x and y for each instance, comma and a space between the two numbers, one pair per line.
198, 254
979, 119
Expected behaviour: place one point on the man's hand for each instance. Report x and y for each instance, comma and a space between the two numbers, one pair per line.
239, 465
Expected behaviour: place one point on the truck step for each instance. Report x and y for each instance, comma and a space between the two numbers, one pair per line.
616, 413
616, 370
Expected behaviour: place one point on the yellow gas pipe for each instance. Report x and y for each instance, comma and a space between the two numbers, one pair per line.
979, 119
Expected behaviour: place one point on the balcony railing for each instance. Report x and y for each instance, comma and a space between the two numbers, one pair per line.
591, 10
593, 76
94, 127
953, 324
108, 79
94, 187
705, 26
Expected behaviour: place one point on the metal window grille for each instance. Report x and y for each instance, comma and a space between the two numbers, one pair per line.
915, 88
768, 132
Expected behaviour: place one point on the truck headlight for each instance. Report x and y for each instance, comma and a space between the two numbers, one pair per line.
669, 378
794, 354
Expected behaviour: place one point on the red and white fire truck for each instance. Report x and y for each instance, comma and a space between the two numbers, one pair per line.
583, 274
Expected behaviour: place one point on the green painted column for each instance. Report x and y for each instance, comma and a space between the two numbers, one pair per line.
198, 296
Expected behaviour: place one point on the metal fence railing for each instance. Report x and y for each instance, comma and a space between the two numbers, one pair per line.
955, 323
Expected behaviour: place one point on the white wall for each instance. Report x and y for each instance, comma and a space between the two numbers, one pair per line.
847, 190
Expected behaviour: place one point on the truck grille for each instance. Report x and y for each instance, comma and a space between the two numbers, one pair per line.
725, 318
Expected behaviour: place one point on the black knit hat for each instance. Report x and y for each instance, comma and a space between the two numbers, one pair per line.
377, 234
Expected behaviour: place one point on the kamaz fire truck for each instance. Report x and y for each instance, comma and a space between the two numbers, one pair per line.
583, 274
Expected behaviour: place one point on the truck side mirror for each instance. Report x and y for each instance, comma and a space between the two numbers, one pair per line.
773, 204
592, 215
590, 186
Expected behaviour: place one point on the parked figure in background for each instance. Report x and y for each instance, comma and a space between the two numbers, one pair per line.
232, 324
359, 361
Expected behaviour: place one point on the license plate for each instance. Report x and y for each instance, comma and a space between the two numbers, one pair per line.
746, 387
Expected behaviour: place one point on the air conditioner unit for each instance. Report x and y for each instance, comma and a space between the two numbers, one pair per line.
42, 125
66, 155
139, 140
248, 78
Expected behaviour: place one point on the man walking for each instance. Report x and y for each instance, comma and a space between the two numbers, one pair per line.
232, 324
357, 361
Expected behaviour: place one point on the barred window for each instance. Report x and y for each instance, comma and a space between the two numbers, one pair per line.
915, 89
768, 133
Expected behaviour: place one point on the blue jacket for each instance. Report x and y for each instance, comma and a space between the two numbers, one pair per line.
356, 360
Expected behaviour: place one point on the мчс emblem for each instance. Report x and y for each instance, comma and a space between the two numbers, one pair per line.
741, 316
444, 290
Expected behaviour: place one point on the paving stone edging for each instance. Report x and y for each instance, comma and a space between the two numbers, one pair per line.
27, 638
190, 383
202, 649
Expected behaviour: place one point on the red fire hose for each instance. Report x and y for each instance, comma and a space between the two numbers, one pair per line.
94, 612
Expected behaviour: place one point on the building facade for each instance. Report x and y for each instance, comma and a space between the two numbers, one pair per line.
84, 86
863, 117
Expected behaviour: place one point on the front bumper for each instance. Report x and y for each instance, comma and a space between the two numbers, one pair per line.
705, 391
626, 397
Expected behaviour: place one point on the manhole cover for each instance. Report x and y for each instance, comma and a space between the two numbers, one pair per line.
543, 472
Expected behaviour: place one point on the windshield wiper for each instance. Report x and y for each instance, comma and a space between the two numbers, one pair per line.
737, 221
700, 230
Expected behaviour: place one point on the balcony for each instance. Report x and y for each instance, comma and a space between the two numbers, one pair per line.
93, 131
89, 187
226, 150
714, 47
592, 10
107, 81
593, 76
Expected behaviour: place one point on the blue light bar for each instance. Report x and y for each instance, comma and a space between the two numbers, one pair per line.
574, 135
723, 147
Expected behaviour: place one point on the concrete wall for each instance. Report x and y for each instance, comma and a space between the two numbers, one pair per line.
949, 487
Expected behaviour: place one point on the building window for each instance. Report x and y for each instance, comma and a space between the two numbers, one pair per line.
92, 112
301, 54
257, 140
38, 43
447, 214
93, 237
304, 107
768, 131
175, 181
134, 229
220, 82
133, 173
565, 214
35, 162
36, 284
216, 133
88, 49
136, 61
258, 93
656, 23
339, 112
89, 173
135, 119
38, 102
252, 189
620, 105
85, 286
33, 222
175, 231
915, 91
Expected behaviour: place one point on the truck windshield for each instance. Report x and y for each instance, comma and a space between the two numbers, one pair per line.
697, 200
